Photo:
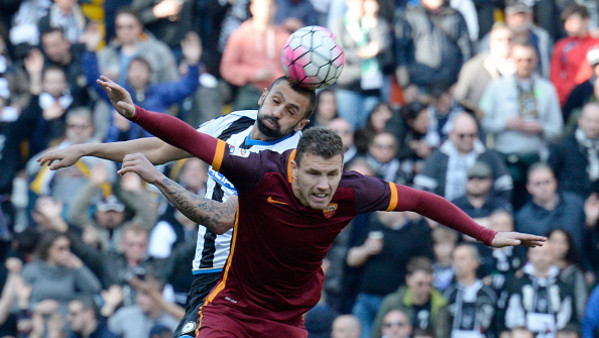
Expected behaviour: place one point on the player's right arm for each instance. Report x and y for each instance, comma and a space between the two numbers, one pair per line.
155, 150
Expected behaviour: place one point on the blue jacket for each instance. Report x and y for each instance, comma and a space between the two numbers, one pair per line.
590, 323
157, 97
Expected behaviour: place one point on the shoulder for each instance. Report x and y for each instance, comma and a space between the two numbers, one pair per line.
247, 117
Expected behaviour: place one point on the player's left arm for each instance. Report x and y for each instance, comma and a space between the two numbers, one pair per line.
215, 216
437, 208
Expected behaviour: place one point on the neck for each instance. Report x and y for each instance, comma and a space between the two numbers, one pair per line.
541, 273
419, 301
262, 26
524, 77
561, 263
257, 134
477, 201
467, 279
549, 204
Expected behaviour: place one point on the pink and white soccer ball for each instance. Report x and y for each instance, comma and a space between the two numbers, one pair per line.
311, 57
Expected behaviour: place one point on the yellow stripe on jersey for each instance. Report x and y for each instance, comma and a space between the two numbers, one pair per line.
393, 198
223, 282
291, 158
218, 155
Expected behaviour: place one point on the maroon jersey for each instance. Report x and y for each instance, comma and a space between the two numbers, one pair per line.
274, 269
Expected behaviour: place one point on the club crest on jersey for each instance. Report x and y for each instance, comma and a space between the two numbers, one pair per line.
236, 151
330, 210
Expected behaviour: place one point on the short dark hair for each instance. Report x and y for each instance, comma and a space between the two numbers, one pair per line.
47, 239
420, 263
129, 11
87, 302
574, 9
52, 30
309, 93
319, 141
412, 110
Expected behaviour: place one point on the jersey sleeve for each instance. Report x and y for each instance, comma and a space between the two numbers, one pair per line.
239, 165
377, 195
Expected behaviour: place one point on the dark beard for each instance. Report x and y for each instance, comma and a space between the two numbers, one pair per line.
267, 131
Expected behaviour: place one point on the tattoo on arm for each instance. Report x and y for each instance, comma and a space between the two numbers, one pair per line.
216, 216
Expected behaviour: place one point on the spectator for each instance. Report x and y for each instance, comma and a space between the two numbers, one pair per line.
416, 141
326, 108
61, 184
346, 326
17, 93
521, 332
485, 67
444, 241
295, 14
519, 18
11, 281
396, 325
565, 257
575, 159
376, 123
432, 43
251, 58
365, 40
131, 41
522, 113
391, 241
24, 31
537, 298
382, 157
158, 96
150, 309
569, 66
444, 172
84, 320
66, 15
346, 132
590, 323
62, 53
471, 304
550, 209
424, 306
582, 93
56, 273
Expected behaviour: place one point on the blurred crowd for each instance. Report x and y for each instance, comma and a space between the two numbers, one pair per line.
492, 104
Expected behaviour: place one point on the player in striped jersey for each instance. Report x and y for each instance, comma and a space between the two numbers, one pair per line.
283, 111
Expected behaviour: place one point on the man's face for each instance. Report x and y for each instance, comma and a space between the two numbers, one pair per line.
77, 316
540, 257
464, 261
542, 185
396, 325
134, 245
500, 42
315, 179
576, 25
128, 29
138, 74
464, 134
502, 221
589, 121
56, 47
383, 147
79, 129
479, 186
421, 283
344, 130
110, 219
525, 59
282, 111
345, 327
54, 82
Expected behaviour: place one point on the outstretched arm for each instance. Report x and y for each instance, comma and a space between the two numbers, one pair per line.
217, 217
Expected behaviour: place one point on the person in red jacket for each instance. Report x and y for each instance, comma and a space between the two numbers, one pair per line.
569, 66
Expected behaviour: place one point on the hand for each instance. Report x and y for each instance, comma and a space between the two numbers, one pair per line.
139, 164
34, 62
191, 47
23, 293
49, 208
99, 173
92, 36
65, 157
504, 238
14, 265
514, 123
113, 296
119, 97
53, 112
532, 127
373, 246
90, 236
167, 8
591, 210
71, 261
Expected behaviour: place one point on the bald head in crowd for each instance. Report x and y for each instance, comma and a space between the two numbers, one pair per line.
346, 326
464, 132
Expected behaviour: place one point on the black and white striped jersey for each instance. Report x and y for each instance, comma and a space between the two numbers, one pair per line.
235, 128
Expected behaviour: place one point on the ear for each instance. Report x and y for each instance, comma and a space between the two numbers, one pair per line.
294, 169
301, 125
262, 97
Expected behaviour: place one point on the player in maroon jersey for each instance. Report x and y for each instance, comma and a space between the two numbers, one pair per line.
291, 207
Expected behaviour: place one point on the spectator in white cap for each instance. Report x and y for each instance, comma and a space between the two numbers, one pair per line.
583, 93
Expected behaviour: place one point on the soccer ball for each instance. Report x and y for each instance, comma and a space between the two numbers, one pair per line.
311, 58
